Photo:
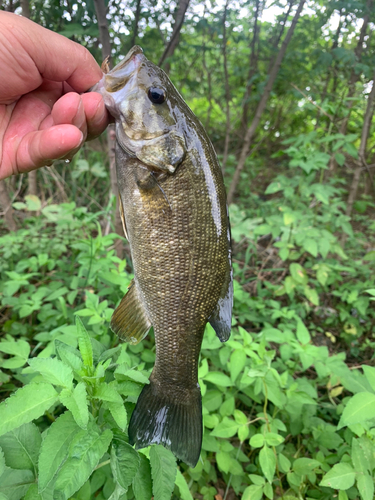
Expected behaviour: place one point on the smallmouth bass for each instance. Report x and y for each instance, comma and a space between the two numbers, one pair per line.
176, 220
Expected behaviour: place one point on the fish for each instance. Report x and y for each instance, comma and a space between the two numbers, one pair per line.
175, 217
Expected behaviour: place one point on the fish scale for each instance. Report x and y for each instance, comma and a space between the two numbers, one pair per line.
174, 210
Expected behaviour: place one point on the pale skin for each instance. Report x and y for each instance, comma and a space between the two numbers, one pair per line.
43, 114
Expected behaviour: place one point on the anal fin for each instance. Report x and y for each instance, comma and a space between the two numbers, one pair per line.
130, 321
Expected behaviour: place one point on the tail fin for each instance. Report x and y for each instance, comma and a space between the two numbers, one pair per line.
175, 422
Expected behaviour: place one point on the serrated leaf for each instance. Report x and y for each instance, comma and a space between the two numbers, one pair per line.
365, 485
69, 356
19, 348
340, 477
142, 484
84, 343
15, 483
53, 370
267, 462
25, 405
360, 407
118, 413
54, 449
163, 472
21, 447
76, 401
85, 451
124, 461
182, 486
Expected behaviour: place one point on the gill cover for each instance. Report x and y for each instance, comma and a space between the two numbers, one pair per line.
144, 129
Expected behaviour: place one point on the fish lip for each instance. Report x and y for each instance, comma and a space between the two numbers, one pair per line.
135, 54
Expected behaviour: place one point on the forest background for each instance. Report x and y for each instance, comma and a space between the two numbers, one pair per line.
286, 92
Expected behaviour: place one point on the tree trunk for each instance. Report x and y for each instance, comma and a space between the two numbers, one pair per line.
25, 8
6, 205
101, 11
101, 15
275, 43
136, 21
262, 103
355, 77
175, 38
362, 151
227, 91
252, 69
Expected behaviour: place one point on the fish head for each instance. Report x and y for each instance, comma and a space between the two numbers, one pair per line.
142, 99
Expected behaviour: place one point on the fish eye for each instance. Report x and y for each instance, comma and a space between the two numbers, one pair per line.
156, 95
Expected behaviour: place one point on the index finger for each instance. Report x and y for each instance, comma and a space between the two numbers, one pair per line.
48, 55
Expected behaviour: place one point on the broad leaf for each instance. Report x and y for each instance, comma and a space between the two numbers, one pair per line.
340, 477
142, 484
183, 487
84, 343
15, 483
163, 471
124, 461
361, 407
267, 462
53, 370
21, 447
25, 405
76, 402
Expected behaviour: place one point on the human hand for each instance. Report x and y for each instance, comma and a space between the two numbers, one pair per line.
42, 115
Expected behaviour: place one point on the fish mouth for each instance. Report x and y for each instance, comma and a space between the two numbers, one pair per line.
121, 80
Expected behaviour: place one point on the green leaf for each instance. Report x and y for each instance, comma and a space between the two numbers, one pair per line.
25, 405
2, 462
218, 378
298, 273
54, 449
361, 407
369, 372
124, 461
142, 484
113, 401
84, 343
311, 295
284, 463
33, 203
273, 439
224, 461
85, 451
21, 447
340, 158
343, 495
32, 493
267, 462
163, 471
310, 246
268, 491
15, 483
257, 441
226, 428
303, 466
182, 486
53, 370
365, 485
76, 401
19, 348
340, 477
237, 363
358, 457
253, 492
302, 332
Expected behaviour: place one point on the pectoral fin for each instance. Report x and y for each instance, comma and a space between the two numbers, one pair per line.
221, 318
130, 321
